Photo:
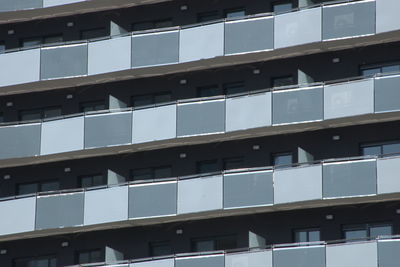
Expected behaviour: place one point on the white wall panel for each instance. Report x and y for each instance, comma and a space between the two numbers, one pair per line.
17, 215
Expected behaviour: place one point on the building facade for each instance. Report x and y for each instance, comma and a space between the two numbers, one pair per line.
221, 133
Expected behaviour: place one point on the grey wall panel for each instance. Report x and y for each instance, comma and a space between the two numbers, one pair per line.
162, 203
64, 61
203, 261
12, 5
312, 256
20, 141
349, 99
48, 3
388, 253
297, 184
248, 112
249, 35
56, 211
155, 263
154, 124
353, 254
201, 194
62, 135
108, 129
106, 205
349, 19
387, 15
297, 105
352, 178
249, 259
18, 215
201, 118
248, 189
22, 67
155, 49
387, 93
298, 28
388, 175
109, 55
201, 42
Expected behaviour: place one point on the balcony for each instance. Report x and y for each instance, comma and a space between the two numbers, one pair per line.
237, 192
327, 27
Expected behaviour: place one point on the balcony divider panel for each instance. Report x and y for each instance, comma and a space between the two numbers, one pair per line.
297, 184
249, 259
109, 55
152, 124
387, 15
248, 189
388, 175
201, 261
309, 256
204, 117
22, 67
201, 194
297, 28
163, 200
155, 263
201, 42
64, 61
13, 5
248, 112
20, 141
388, 253
50, 3
249, 35
352, 254
108, 129
153, 49
348, 20
62, 135
349, 99
59, 211
18, 216
354, 178
298, 105
106, 205
387, 93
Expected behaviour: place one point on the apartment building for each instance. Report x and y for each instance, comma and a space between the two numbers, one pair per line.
212, 133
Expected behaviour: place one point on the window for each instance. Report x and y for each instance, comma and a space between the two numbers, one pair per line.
151, 173
44, 261
377, 149
2, 47
214, 243
282, 159
209, 90
163, 23
53, 39
89, 256
45, 186
307, 235
40, 113
282, 81
383, 68
34, 41
233, 163
208, 16
207, 166
160, 248
234, 13
148, 25
92, 106
1, 117
282, 6
92, 180
234, 88
93, 33
362, 231
151, 99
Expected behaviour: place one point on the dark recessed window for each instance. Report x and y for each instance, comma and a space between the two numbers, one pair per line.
40, 113
208, 16
93, 33
209, 90
45, 186
282, 81
163, 23
148, 25
151, 173
92, 106
160, 248
1, 117
282, 6
234, 88
368, 70
282, 159
89, 256
362, 231
376, 149
234, 13
214, 243
31, 41
53, 39
233, 163
307, 235
92, 180
44, 261
150, 99
2, 47
207, 166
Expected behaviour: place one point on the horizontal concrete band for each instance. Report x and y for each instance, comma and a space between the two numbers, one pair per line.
231, 193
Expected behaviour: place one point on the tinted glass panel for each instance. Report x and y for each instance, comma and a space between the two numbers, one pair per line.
207, 166
224, 243
50, 186
355, 234
163, 23
27, 115
208, 16
53, 39
162, 98
162, 172
279, 7
380, 230
371, 150
204, 245
92, 106
52, 112
234, 13
31, 41
301, 236
282, 81
283, 159
143, 100
234, 88
393, 68
142, 174
2, 47
93, 33
206, 91
142, 26
23, 189
160, 249
233, 163
368, 72
391, 148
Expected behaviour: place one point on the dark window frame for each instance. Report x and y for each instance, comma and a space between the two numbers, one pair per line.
234, 10
208, 161
215, 240
380, 65
78, 252
375, 144
365, 226
308, 230
39, 185
153, 244
152, 172
83, 105
285, 153
41, 111
81, 177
